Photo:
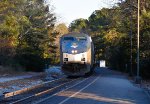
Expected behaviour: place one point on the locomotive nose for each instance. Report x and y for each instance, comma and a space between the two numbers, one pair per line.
74, 51
75, 58
74, 47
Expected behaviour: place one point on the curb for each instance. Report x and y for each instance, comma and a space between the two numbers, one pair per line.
10, 94
147, 92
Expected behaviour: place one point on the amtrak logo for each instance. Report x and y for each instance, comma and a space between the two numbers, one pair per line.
74, 45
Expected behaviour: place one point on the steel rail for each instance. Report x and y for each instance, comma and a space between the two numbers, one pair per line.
41, 101
41, 93
11, 94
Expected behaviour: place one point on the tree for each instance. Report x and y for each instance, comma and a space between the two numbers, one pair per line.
59, 30
79, 25
35, 38
26, 25
9, 29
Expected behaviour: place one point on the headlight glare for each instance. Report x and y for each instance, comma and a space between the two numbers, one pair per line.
72, 51
75, 51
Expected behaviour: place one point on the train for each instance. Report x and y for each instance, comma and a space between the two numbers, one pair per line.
76, 54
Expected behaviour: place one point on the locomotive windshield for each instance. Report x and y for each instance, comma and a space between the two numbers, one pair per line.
69, 38
75, 38
81, 38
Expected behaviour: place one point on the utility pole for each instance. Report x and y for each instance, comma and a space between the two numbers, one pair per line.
131, 44
138, 79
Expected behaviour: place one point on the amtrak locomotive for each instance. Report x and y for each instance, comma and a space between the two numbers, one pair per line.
76, 54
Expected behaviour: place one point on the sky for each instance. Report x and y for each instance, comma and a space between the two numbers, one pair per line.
69, 10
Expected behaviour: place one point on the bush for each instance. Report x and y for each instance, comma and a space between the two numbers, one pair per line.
144, 68
31, 62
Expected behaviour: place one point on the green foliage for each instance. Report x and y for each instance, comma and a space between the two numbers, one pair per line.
99, 19
111, 30
59, 30
24, 32
31, 62
78, 25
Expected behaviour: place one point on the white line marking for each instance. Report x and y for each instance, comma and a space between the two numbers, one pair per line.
58, 92
40, 93
78, 91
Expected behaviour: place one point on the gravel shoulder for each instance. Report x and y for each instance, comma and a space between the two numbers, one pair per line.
17, 84
145, 84
12, 81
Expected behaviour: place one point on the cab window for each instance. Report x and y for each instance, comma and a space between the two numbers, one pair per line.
69, 38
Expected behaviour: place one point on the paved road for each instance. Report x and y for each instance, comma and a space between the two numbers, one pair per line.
104, 87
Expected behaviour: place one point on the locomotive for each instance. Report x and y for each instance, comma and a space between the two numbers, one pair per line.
76, 54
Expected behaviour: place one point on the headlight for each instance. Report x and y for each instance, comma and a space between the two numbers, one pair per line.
75, 51
72, 51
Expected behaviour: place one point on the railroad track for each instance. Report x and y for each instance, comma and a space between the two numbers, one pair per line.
29, 95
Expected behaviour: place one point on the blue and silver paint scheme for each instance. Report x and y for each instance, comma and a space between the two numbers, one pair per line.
74, 54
